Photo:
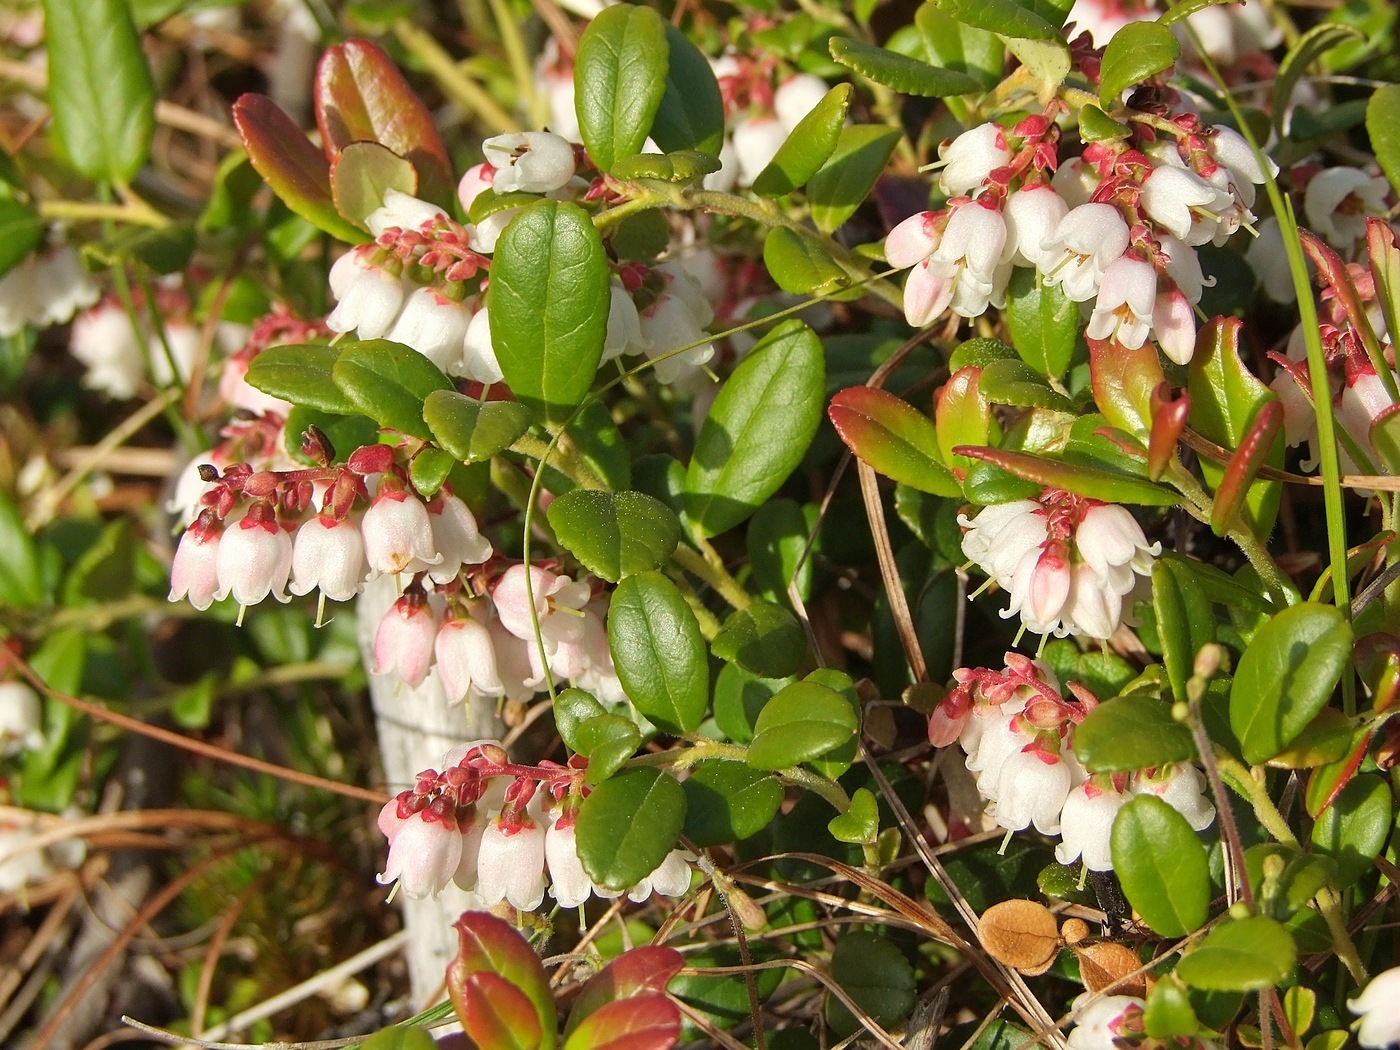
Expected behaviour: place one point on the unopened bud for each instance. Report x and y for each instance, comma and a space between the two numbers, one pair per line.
746, 908
1208, 661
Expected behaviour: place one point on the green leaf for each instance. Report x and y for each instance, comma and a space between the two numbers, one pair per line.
474, 430
776, 537
801, 264
1286, 676
727, 802
758, 429
658, 652
844, 181
620, 79
615, 534
1043, 321
1185, 620
876, 975
1048, 61
428, 470
1017, 383
860, 824
1162, 866
21, 569
1129, 733
1138, 51
763, 638
1109, 486
302, 374
388, 382
21, 231
899, 72
807, 147
362, 173
803, 721
1354, 829
1311, 46
627, 826
691, 113
683, 166
1005, 17
1241, 955
1097, 126
740, 697
607, 741
548, 301
1167, 1013
100, 90
893, 438
573, 707
1383, 125
952, 45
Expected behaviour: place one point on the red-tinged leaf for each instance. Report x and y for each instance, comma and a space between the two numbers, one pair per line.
1084, 481
1168, 421
361, 96
1244, 467
1123, 382
962, 416
893, 438
288, 161
1326, 783
644, 1022
1384, 255
491, 945
1337, 277
362, 173
499, 1016
645, 969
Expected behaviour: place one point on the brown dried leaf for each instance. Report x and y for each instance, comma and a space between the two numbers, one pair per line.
1104, 967
1074, 930
1020, 933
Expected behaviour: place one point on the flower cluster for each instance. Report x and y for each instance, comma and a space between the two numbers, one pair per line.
503, 830
44, 289
1017, 731
1067, 561
1116, 227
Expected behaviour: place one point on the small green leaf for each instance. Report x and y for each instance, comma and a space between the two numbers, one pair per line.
1043, 321
876, 975
776, 538
399, 1038
1286, 676
952, 45
1185, 621
727, 802
758, 429
1017, 383
893, 438
573, 707
1167, 1013
388, 382
1138, 51
807, 147
803, 721
302, 374
691, 113
763, 638
844, 181
859, 825
619, 81
1354, 829
898, 72
1047, 60
627, 825
362, 173
1241, 955
801, 264
474, 430
1129, 733
100, 91
607, 741
658, 652
548, 303
1005, 17
1311, 46
1162, 866
1383, 125
429, 469
21, 231
1096, 126
615, 534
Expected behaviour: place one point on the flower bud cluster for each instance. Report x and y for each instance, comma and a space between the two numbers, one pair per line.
1068, 562
503, 830
1017, 731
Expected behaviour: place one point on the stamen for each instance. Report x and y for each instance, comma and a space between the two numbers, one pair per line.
1006, 841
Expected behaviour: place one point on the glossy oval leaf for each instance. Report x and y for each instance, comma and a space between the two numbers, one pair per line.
607, 741
1383, 125
627, 825
1018, 384
807, 147
776, 539
691, 113
619, 81
763, 638
801, 264
473, 430
803, 721
642, 1022
1137, 51
728, 802
1355, 828
1240, 955
951, 44
1005, 17
548, 301
302, 374
893, 438
362, 173
388, 382
615, 534
1185, 620
1129, 733
658, 651
1286, 676
1162, 866
758, 429
875, 974
100, 90
1043, 321
900, 73
845, 181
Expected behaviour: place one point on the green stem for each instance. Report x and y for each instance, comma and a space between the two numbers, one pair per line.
702, 750
567, 461
80, 211
713, 574
1199, 506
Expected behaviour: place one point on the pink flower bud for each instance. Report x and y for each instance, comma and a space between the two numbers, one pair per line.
913, 240
254, 558
328, 553
194, 571
474, 182
403, 645
397, 532
424, 855
510, 866
466, 660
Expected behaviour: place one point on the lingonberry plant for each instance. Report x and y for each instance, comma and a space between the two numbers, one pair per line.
746, 524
